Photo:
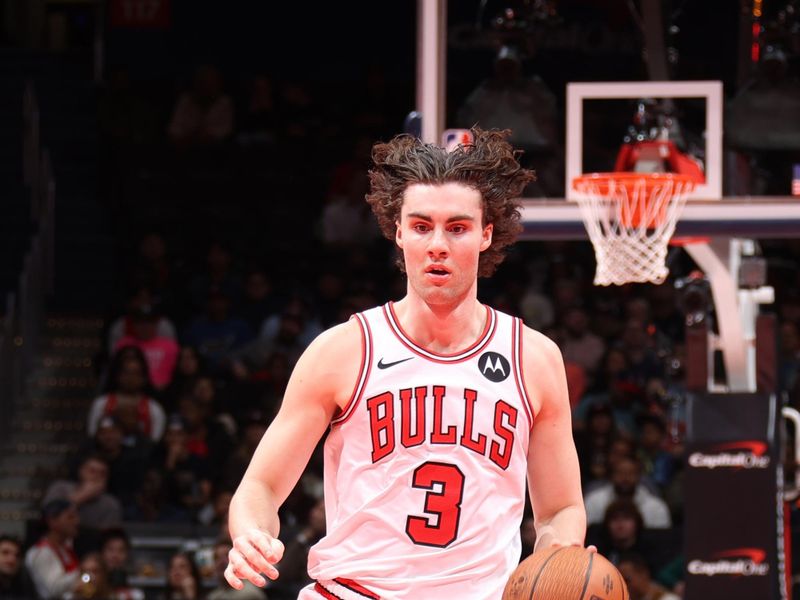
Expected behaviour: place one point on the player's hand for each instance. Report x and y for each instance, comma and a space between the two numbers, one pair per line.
254, 552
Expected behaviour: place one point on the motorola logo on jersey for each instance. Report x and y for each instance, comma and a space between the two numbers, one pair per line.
495, 367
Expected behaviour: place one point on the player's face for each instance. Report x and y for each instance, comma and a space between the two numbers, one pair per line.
441, 233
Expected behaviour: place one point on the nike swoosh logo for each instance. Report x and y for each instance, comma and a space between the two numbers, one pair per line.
383, 365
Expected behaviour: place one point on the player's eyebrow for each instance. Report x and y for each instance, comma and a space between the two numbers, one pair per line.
425, 217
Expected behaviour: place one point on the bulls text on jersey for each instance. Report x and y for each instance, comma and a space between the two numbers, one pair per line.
497, 445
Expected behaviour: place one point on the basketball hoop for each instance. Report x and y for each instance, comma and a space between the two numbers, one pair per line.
630, 218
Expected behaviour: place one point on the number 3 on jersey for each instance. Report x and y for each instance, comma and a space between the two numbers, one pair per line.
443, 504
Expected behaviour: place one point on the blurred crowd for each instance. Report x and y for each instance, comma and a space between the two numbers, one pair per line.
242, 235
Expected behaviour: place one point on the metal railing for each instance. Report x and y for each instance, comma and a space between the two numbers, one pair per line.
25, 306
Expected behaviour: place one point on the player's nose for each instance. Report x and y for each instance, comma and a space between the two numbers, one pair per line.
437, 244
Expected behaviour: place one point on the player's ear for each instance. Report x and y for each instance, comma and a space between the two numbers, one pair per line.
398, 236
486, 237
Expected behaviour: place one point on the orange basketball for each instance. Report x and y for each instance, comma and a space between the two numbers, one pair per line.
568, 573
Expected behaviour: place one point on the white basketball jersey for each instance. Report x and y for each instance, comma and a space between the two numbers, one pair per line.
425, 469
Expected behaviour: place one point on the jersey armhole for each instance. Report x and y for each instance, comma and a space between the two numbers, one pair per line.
363, 373
516, 352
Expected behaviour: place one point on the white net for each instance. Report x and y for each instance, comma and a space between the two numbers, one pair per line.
630, 218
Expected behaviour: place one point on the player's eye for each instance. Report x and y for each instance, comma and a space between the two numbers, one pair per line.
458, 229
421, 227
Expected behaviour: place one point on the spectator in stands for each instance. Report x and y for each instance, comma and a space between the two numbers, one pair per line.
128, 397
253, 429
294, 564
203, 115
287, 333
189, 367
259, 300
52, 562
346, 219
638, 346
93, 581
183, 579
123, 326
223, 591
204, 392
217, 334
97, 508
150, 505
578, 344
299, 117
623, 531
658, 465
636, 573
215, 512
613, 386
14, 581
153, 269
218, 276
115, 547
665, 312
594, 442
269, 384
161, 352
209, 432
509, 99
185, 464
763, 121
536, 308
626, 482
126, 461
621, 447
258, 121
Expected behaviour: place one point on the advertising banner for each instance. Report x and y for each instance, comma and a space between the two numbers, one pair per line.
733, 498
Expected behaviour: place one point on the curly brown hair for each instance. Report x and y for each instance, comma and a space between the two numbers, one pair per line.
489, 165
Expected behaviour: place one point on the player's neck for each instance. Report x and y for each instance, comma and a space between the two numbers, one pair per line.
442, 328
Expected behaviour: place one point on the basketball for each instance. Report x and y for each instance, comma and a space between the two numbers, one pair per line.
568, 573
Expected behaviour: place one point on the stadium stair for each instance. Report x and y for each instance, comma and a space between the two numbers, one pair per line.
48, 426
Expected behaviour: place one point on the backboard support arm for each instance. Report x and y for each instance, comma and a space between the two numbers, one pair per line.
737, 310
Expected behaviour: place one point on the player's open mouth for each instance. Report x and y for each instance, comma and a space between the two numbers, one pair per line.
437, 273
437, 270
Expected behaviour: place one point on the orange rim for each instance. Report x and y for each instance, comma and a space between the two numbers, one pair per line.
629, 180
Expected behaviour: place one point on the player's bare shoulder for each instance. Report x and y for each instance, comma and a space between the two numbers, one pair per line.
333, 360
542, 368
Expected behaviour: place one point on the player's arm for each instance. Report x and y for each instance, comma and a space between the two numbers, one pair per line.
321, 382
553, 472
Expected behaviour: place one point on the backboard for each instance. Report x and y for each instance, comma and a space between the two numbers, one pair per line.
601, 114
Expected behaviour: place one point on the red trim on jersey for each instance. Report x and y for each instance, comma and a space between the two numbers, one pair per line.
483, 340
352, 585
516, 356
325, 593
363, 373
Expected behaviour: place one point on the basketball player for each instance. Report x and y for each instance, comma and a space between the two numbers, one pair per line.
438, 406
